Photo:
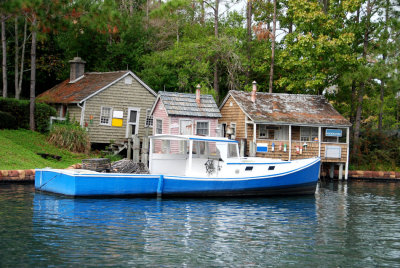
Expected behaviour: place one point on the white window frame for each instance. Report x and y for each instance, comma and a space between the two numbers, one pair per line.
191, 120
128, 124
156, 125
109, 116
233, 126
266, 132
204, 121
149, 118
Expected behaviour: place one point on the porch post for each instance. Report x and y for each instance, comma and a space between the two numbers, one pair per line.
189, 167
346, 172
290, 142
150, 153
319, 141
254, 140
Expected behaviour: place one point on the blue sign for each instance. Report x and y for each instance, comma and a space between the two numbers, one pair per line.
333, 133
262, 147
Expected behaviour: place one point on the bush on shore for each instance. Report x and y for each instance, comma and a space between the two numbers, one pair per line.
70, 136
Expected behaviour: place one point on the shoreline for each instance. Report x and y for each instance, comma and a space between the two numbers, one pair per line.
28, 175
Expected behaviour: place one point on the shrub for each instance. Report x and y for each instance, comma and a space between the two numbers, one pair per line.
7, 121
70, 136
20, 110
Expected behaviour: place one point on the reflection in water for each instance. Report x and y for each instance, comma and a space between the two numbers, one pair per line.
178, 231
344, 225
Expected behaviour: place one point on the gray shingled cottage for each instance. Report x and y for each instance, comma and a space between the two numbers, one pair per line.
111, 105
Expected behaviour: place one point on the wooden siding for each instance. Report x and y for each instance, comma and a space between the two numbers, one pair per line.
171, 124
74, 112
120, 97
231, 113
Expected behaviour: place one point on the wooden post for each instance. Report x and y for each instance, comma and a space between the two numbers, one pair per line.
136, 148
129, 150
332, 170
319, 141
290, 142
346, 172
145, 151
340, 171
242, 147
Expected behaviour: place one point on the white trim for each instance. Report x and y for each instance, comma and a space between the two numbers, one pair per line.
155, 104
82, 119
77, 79
136, 123
234, 123
109, 118
117, 80
155, 128
204, 121
319, 141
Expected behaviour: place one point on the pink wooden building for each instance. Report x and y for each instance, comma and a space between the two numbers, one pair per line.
185, 114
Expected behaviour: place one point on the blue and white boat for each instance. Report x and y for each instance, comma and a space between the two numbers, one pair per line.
190, 166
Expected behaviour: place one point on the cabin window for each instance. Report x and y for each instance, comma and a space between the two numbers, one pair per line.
158, 126
232, 150
105, 116
149, 118
202, 128
308, 133
249, 168
271, 167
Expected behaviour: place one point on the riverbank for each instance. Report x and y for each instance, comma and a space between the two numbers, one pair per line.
28, 175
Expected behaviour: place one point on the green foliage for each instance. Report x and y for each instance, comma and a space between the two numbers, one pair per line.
20, 110
7, 121
70, 136
378, 151
19, 148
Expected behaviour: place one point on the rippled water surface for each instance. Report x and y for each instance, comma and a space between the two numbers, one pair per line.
355, 224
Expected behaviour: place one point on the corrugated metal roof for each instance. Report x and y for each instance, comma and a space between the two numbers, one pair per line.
184, 104
84, 87
289, 109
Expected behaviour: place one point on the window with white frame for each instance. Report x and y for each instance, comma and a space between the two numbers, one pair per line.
202, 128
149, 118
105, 116
308, 133
233, 128
158, 126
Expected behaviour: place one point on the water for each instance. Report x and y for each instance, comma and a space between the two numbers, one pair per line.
351, 224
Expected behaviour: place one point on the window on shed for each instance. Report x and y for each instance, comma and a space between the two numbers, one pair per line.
105, 116
158, 126
133, 120
202, 128
233, 127
149, 118
308, 133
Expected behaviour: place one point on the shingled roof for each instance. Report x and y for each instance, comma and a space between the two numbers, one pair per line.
184, 104
83, 88
279, 108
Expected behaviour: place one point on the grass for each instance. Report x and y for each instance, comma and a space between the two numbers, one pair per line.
19, 148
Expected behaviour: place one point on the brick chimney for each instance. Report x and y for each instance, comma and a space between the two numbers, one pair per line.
77, 68
198, 94
253, 92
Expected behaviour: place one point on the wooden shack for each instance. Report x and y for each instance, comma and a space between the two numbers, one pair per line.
287, 126
185, 114
113, 106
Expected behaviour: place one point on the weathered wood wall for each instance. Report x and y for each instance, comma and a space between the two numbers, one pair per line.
120, 97
231, 113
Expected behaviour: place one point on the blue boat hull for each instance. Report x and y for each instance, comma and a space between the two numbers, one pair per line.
302, 181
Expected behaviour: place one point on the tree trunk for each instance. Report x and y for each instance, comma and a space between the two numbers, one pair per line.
4, 54
249, 14
382, 96
16, 59
21, 72
216, 60
202, 10
271, 74
362, 85
33, 77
